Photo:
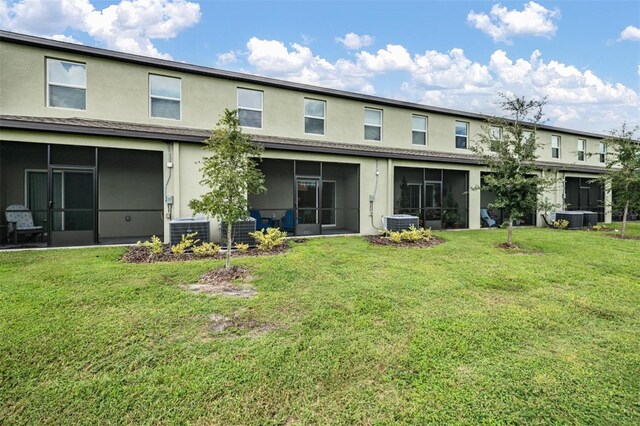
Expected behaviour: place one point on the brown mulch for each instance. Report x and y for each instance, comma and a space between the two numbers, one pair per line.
220, 323
219, 281
380, 240
137, 254
626, 237
507, 246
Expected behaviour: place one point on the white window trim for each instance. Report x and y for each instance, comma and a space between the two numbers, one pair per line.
165, 97
324, 118
425, 131
602, 151
455, 134
261, 110
372, 125
582, 149
71, 86
556, 138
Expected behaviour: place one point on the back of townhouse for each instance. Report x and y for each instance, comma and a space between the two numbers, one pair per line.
103, 147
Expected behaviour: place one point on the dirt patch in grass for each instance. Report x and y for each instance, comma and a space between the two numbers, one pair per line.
219, 324
220, 281
517, 250
137, 254
626, 237
380, 240
507, 246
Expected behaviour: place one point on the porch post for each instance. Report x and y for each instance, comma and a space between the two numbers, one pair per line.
474, 199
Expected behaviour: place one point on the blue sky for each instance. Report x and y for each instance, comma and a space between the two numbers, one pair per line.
583, 55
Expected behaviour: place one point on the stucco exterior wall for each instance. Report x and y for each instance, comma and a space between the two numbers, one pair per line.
119, 91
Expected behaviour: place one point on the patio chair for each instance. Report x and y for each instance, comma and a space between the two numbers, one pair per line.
486, 217
20, 221
286, 223
261, 222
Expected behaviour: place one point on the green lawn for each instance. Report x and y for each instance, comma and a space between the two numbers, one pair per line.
459, 333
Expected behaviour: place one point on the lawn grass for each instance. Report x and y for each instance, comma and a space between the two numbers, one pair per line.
458, 333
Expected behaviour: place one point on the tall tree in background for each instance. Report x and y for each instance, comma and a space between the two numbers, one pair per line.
623, 171
230, 174
508, 146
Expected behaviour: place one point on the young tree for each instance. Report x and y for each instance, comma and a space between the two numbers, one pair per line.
623, 171
508, 146
230, 174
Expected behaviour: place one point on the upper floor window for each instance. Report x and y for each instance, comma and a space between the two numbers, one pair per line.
462, 134
164, 97
555, 146
250, 108
496, 137
66, 84
418, 130
602, 152
372, 124
314, 115
582, 146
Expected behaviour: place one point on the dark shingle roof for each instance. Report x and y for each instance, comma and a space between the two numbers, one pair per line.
186, 134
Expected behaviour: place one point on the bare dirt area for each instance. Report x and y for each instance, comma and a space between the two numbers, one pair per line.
219, 324
222, 281
380, 240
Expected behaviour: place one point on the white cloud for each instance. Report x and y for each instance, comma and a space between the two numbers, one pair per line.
227, 58
502, 24
630, 33
577, 98
128, 26
354, 41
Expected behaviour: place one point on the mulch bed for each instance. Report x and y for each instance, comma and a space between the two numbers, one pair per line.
627, 237
219, 281
380, 240
507, 246
137, 254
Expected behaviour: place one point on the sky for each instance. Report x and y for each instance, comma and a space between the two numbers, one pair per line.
583, 56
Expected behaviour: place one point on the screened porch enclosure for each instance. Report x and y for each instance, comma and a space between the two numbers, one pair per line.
80, 195
582, 194
438, 197
491, 217
308, 197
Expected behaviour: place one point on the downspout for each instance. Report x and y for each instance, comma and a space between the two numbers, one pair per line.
169, 198
372, 198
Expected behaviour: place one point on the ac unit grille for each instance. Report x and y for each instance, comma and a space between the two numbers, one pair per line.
180, 227
400, 222
240, 232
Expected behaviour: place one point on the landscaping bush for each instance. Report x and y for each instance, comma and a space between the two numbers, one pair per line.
186, 243
242, 247
268, 239
206, 250
561, 224
411, 235
153, 247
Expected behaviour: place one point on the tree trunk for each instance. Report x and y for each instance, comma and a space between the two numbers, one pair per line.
228, 264
624, 218
510, 232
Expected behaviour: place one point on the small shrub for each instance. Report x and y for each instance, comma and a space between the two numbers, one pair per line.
154, 246
411, 235
601, 228
242, 247
395, 237
561, 224
186, 243
206, 250
269, 238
